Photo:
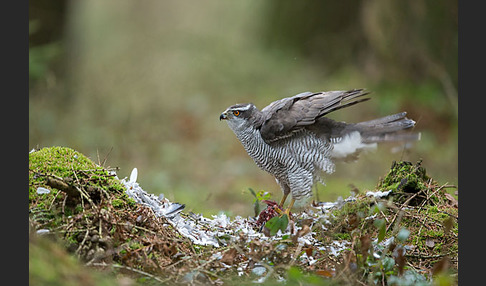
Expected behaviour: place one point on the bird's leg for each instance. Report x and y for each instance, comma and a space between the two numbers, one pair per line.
283, 200
280, 205
287, 211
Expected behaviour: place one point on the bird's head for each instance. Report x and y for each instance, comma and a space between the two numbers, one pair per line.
239, 115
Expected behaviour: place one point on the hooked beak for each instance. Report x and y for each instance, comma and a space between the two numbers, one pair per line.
223, 116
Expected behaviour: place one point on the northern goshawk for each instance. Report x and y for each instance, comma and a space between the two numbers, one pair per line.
292, 140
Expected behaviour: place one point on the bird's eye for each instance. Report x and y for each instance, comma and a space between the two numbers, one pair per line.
236, 113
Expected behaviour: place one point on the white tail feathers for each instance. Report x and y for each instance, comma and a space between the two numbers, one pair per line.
350, 144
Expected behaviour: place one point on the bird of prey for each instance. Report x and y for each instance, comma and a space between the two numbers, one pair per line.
293, 140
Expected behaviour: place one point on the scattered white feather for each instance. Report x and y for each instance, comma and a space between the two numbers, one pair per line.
259, 270
337, 246
134, 175
209, 231
42, 231
378, 194
41, 190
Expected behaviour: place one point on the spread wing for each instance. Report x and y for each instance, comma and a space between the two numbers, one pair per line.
282, 118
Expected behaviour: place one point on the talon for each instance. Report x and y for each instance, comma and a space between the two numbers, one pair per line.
287, 212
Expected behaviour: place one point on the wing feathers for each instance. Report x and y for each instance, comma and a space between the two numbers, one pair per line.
289, 115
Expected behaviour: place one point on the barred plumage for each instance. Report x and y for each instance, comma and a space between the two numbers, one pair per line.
292, 140
303, 156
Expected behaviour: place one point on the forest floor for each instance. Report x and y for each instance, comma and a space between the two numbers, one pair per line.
83, 217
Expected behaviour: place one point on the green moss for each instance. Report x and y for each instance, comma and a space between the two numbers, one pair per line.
75, 170
432, 210
359, 207
118, 203
428, 225
58, 161
345, 220
342, 236
101, 219
135, 245
78, 208
123, 202
409, 177
432, 233
406, 179
69, 165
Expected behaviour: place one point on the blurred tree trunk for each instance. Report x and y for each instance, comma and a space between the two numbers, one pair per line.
47, 21
404, 40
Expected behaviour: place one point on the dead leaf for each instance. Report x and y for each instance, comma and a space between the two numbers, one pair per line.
354, 190
229, 256
365, 244
353, 220
305, 230
447, 223
169, 250
441, 266
325, 273
451, 199
308, 251
400, 260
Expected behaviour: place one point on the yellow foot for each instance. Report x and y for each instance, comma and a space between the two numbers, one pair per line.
287, 210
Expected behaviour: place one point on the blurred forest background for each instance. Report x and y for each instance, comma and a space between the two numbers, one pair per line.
142, 84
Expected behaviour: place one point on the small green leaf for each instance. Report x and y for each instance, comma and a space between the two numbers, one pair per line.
252, 192
381, 226
276, 223
377, 208
256, 208
378, 222
294, 274
388, 263
263, 195
403, 235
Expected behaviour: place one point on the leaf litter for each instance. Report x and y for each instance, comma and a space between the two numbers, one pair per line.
399, 233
